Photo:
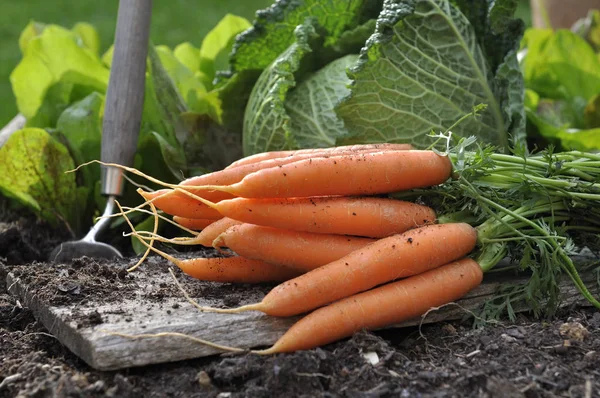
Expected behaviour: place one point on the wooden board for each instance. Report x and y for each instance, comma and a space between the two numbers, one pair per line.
135, 315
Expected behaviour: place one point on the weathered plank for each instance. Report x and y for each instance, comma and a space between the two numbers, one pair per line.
134, 315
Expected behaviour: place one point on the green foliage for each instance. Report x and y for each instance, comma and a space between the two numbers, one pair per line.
562, 75
60, 85
423, 69
560, 65
56, 56
273, 31
34, 167
313, 122
266, 123
217, 44
342, 27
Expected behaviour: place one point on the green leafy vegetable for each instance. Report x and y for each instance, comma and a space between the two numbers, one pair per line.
425, 68
56, 55
341, 26
81, 124
33, 29
189, 56
89, 36
273, 30
80, 128
560, 65
562, 74
266, 123
218, 43
310, 106
34, 166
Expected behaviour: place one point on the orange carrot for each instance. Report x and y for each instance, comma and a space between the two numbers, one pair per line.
204, 238
180, 205
196, 224
303, 251
359, 216
318, 151
365, 173
229, 269
210, 233
233, 270
170, 200
383, 306
380, 307
384, 260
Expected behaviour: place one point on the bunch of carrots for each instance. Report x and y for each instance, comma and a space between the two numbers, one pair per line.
321, 223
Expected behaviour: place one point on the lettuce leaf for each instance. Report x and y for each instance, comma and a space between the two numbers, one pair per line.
425, 67
562, 74
217, 44
34, 166
560, 65
56, 56
559, 122
80, 129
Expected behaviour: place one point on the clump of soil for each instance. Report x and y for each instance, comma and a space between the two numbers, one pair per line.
62, 284
23, 238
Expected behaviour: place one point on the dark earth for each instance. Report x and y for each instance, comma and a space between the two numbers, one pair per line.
530, 357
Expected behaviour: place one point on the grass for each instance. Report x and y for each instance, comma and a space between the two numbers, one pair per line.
173, 22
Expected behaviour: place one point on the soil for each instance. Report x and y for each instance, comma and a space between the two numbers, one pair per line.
527, 358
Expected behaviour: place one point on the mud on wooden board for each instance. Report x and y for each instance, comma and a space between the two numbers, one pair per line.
82, 302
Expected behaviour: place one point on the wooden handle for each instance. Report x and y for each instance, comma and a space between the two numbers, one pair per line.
125, 94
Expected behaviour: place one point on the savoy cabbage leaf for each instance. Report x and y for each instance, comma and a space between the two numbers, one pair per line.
273, 31
342, 25
266, 123
426, 67
313, 122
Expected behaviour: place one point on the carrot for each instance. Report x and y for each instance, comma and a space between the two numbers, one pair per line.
384, 260
168, 202
383, 306
359, 216
317, 151
228, 269
380, 307
351, 174
204, 238
233, 270
303, 251
179, 205
196, 224
210, 233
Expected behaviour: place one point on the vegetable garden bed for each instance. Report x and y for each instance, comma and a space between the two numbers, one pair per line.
455, 79
526, 358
